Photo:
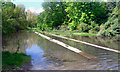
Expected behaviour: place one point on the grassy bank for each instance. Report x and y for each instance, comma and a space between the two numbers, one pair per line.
85, 34
14, 60
68, 33
29, 29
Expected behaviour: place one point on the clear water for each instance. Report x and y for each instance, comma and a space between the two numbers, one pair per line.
46, 55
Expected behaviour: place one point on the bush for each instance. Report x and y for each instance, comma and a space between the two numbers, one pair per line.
92, 31
72, 25
111, 27
83, 27
64, 27
94, 27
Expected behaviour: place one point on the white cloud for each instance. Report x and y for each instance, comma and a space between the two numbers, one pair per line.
39, 10
31, 9
35, 11
105, 0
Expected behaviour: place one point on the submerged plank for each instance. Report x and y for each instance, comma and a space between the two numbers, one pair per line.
68, 47
97, 46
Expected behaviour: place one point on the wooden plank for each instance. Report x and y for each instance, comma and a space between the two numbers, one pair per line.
97, 46
68, 47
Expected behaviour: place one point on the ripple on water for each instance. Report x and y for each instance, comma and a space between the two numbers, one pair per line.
49, 56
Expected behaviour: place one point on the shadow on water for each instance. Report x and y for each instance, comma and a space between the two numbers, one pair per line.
50, 56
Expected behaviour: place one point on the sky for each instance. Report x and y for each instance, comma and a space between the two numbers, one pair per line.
34, 6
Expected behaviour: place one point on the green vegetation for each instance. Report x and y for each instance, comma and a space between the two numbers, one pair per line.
59, 32
85, 34
88, 17
60, 18
68, 33
112, 26
13, 60
14, 18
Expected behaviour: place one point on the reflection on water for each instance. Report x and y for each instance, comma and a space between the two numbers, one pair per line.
108, 60
107, 42
46, 55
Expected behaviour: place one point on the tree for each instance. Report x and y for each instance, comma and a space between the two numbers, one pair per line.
31, 18
13, 17
53, 16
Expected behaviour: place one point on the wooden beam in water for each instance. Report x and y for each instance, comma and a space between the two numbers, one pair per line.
68, 47
97, 46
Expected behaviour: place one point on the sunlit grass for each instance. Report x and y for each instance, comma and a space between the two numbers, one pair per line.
67, 33
85, 34
13, 60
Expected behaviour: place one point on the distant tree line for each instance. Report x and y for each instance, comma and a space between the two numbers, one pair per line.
102, 18
90, 17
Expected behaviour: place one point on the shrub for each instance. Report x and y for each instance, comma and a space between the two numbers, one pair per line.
111, 27
92, 31
64, 27
72, 25
83, 27
94, 27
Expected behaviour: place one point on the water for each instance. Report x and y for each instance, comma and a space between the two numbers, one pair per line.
46, 55
102, 41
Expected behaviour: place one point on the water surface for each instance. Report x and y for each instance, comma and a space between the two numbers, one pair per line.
46, 55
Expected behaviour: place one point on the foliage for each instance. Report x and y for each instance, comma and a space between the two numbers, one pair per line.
13, 60
83, 27
64, 27
72, 25
112, 26
31, 18
14, 18
82, 16
94, 28
90, 17
86, 12
52, 17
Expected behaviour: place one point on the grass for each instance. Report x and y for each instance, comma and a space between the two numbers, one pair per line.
58, 32
68, 33
14, 60
85, 34
32, 28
